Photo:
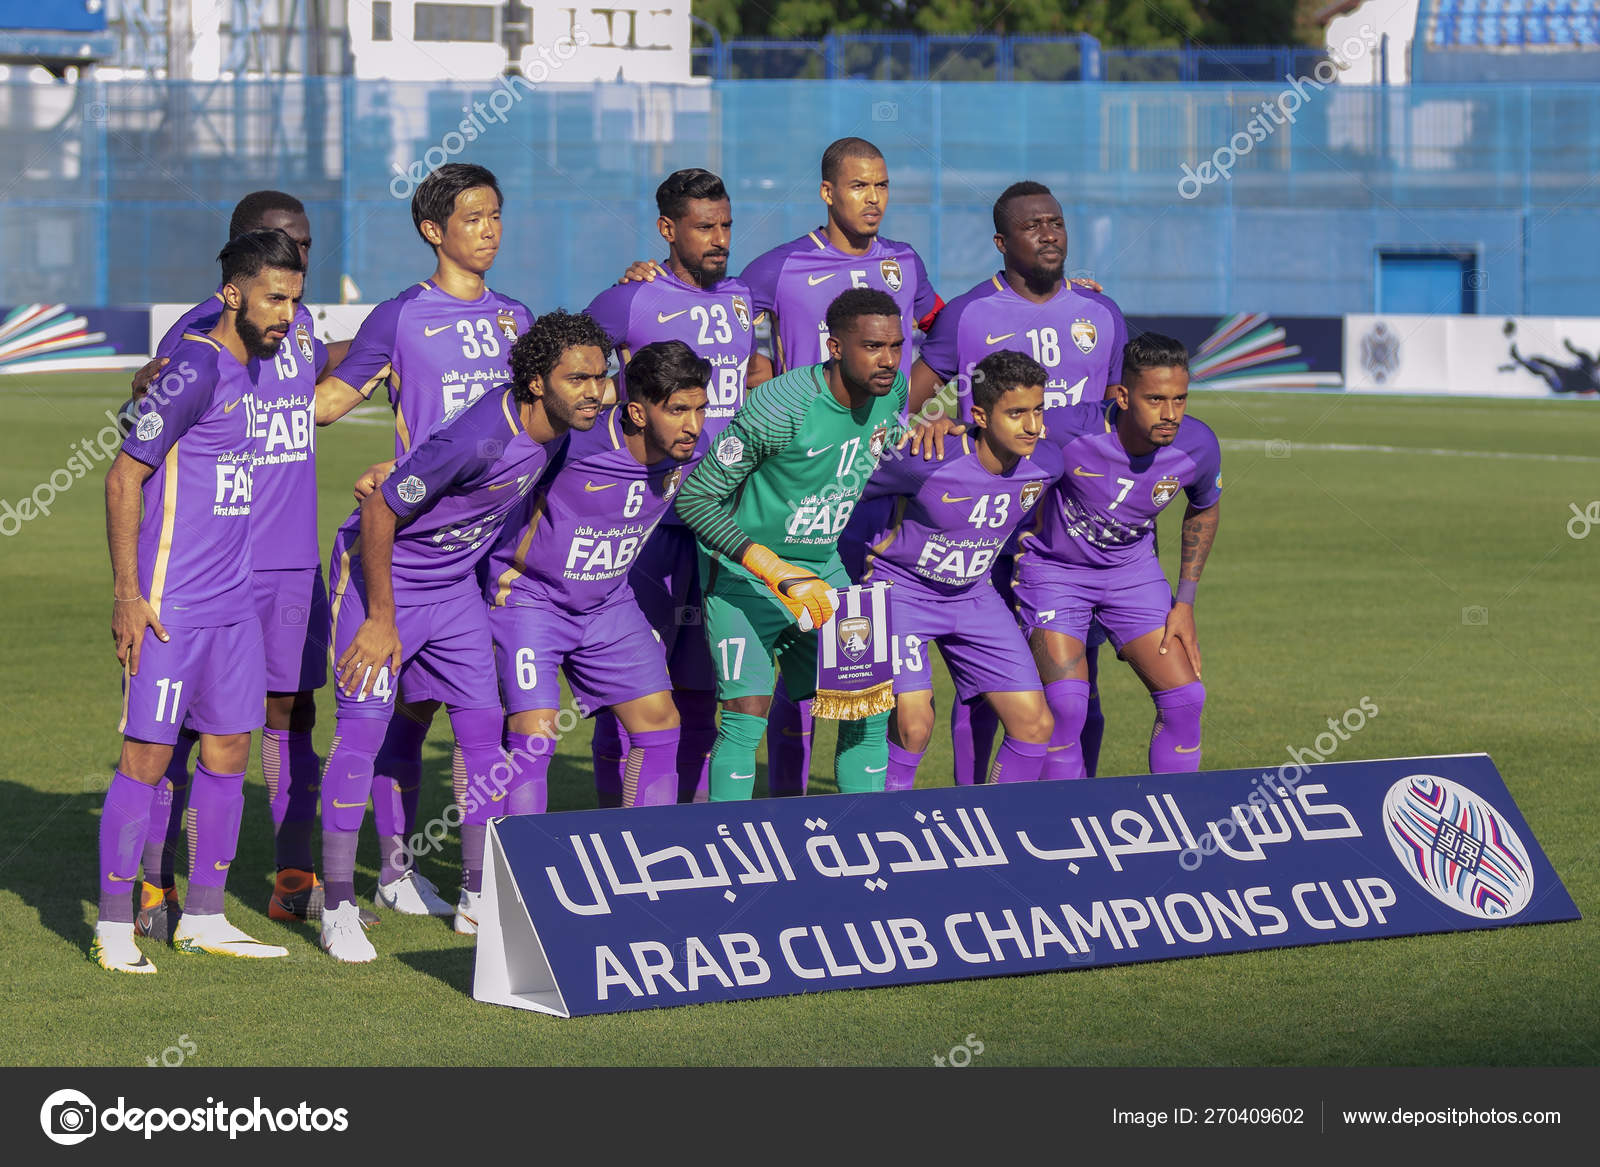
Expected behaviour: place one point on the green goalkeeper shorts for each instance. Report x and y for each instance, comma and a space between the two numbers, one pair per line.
747, 627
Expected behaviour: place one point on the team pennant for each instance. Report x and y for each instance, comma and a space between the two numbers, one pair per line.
855, 660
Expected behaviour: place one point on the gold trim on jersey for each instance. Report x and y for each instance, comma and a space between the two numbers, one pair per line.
511, 418
876, 550
402, 431
611, 427
995, 280
122, 726
519, 563
333, 612
169, 518
821, 244
202, 336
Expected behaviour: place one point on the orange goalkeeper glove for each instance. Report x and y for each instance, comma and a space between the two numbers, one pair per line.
802, 592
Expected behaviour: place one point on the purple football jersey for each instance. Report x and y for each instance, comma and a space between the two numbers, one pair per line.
571, 544
442, 354
1077, 335
283, 526
194, 538
452, 494
1102, 512
796, 282
952, 518
717, 323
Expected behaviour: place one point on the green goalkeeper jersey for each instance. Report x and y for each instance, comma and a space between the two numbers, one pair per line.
788, 470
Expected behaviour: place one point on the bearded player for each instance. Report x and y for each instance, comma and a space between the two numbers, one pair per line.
793, 285
291, 601
768, 508
1075, 332
689, 298
438, 346
182, 573
558, 581
407, 600
1090, 556
952, 517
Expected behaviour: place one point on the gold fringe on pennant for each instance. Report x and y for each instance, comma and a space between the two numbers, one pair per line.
853, 704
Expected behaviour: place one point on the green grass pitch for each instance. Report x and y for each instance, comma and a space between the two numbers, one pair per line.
1444, 587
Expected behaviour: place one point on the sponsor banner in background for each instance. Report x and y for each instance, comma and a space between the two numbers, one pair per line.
607, 911
61, 338
1489, 356
1252, 350
333, 321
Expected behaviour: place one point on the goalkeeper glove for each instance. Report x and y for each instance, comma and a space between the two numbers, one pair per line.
802, 592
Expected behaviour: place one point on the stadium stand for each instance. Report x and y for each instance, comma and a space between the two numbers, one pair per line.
1507, 40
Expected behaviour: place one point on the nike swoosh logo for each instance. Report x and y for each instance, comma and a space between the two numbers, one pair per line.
436, 331
879, 770
946, 498
810, 453
501, 797
787, 732
814, 281
987, 339
740, 777
1185, 749
347, 805
500, 486
1082, 473
602, 486
220, 865
666, 317
115, 878
231, 407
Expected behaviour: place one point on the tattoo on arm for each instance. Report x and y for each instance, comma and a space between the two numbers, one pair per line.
1199, 529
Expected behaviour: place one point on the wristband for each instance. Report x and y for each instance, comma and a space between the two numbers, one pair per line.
125, 599
1186, 591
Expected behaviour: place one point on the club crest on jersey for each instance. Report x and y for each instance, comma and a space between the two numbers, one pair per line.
1030, 494
507, 322
412, 490
302, 341
1083, 335
890, 270
880, 437
1162, 493
855, 634
670, 484
742, 311
729, 450
149, 427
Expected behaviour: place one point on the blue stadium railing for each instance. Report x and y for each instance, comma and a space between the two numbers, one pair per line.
981, 57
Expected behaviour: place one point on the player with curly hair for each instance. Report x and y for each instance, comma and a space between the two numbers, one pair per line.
407, 606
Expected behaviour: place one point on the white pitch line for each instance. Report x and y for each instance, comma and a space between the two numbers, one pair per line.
1348, 448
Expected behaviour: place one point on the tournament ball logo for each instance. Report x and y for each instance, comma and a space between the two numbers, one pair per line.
1458, 847
149, 427
412, 490
729, 450
302, 341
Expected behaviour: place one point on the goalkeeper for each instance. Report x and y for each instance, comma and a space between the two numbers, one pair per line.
767, 507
